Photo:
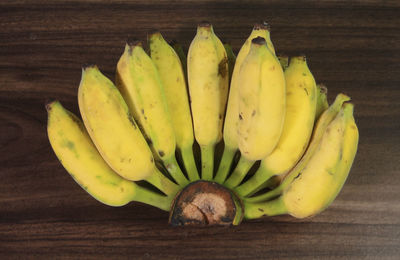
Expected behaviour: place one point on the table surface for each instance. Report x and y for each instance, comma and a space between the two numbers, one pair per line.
352, 47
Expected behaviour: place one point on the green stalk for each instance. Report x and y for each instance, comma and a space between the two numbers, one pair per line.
225, 164
269, 208
152, 198
162, 183
190, 163
207, 162
261, 176
242, 168
173, 168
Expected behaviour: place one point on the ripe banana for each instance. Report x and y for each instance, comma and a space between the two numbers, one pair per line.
174, 85
73, 147
232, 110
140, 85
208, 87
112, 128
261, 102
319, 130
301, 100
322, 100
318, 184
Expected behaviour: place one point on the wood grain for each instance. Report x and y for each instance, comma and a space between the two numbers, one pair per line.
352, 47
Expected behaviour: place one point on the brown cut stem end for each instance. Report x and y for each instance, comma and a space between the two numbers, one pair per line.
206, 203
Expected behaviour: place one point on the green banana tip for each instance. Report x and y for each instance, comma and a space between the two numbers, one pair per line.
262, 26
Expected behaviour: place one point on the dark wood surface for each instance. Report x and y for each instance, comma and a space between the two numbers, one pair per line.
352, 47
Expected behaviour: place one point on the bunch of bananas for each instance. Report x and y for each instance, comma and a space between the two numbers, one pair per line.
286, 151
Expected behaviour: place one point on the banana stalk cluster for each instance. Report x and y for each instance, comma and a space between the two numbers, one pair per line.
154, 131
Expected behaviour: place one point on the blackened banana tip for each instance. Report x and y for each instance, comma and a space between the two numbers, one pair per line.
259, 41
262, 26
133, 42
205, 24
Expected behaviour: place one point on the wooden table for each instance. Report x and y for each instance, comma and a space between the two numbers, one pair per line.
351, 47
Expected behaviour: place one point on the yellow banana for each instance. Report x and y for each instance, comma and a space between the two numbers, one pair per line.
261, 102
319, 130
73, 147
140, 85
208, 88
232, 110
112, 128
322, 100
317, 185
174, 85
301, 100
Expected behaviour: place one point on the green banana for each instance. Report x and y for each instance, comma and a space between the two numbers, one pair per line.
319, 130
301, 100
140, 85
174, 85
231, 58
284, 61
322, 100
73, 147
318, 184
208, 87
232, 110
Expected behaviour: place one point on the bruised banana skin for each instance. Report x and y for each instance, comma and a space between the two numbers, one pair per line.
141, 87
301, 100
73, 147
262, 102
174, 85
230, 132
318, 184
318, 132
208, 88
112, 128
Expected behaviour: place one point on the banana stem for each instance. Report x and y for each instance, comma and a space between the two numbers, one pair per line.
268, 195
152, 198
190, 163
271, 183
162, 183
239, 173
207, 162
173, 168
261, 176
225, 164
269, 208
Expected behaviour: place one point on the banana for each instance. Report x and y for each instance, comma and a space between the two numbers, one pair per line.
140, 85
174, 85
301, 100
261, 102
284, 61
181, 54
322, 100
231, 58
232, 110
208, 87
319, 130
112, 128
75, 150
318, 184
115, 133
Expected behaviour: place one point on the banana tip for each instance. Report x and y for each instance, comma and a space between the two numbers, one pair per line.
133, 42
262, 26
205, 24
49, 104
88, 66
153, 32
259, 41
